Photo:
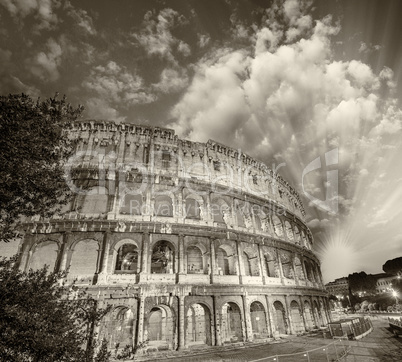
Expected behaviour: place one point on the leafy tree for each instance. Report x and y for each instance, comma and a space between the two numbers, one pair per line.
33, 146
42, 320
393, 266
361, 282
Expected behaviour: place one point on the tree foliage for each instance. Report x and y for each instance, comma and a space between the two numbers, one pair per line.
33, 146
393, 266
362, 282
42, 320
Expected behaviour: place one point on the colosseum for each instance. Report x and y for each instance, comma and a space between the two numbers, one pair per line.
190, 243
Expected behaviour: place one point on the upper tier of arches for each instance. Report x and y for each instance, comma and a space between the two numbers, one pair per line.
139, 151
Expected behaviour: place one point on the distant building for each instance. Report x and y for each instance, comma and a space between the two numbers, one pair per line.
384, 282
339, 286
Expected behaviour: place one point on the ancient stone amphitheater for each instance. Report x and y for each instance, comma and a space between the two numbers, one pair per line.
191, 243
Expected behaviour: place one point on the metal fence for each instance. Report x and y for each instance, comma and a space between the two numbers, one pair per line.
335, 351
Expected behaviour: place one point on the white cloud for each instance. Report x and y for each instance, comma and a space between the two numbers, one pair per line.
171, 80
157, 38
116, 84
42, 10
45, 65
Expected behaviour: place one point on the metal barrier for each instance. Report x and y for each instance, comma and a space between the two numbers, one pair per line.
335, 351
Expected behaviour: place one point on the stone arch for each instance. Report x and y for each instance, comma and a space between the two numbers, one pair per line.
193, 207
126, 257
277, 224
271, 264
131, 204
163, 206
226, 260
296, 317
159, 327
323, 314
231, 323
121, 326
95, 201
163, 257
251, 262
289, 230
297, 235
45, 252
281, 323
287, 264
317, 313
198, 325
298, 268
84, 258
195, 260
258, 320
309, 273
221, 211
309, 315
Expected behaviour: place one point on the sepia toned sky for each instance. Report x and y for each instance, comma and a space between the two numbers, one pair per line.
285, 81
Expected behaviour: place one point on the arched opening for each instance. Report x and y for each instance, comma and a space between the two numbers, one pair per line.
127, 259
163, 206
162, 259
277, 224
308, 271
225, 258
95, 201
296, 317
251, 266
194, 260
132, 204
323, 314
287, 266
159, 327
309, 316
299, 268
45, 253
192, 208
280, 318
317, 314
247, 265
220, 211
240, 216
258, 321
122, 327
84, 259
231, 323
297, 235
198, 325
289, 231
272, 266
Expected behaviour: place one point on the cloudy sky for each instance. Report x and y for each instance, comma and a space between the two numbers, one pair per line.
284, 81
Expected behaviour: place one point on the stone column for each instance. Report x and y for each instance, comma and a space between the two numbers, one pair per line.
141, 314
181, 254
181, 323
278, 255
144, 257
288, 309
247, 320
294, 270
104, 258
262, 265
317, 324
304, 268
270, 317
303, 314
240, 261
212, 268
217, 321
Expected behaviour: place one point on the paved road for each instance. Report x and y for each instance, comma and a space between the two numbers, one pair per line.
379, 346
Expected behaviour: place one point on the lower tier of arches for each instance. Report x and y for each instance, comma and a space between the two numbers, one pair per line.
194, 316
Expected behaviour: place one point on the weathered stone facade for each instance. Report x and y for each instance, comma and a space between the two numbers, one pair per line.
191, 243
